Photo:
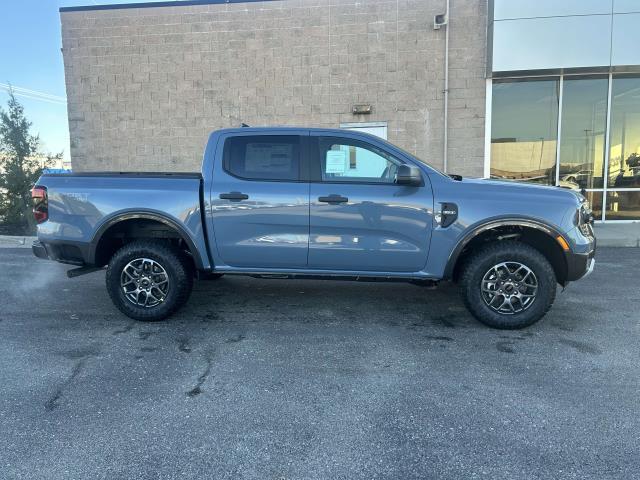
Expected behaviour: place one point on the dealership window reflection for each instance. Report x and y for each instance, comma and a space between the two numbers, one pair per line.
595, 201
582, 137
524, 130
624, 154
623, 205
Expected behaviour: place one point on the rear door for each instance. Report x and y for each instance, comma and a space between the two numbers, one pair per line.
360, 220
260, 200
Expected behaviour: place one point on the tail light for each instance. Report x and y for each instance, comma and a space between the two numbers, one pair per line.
40, 203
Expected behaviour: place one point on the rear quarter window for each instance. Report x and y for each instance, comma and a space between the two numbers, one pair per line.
263, 157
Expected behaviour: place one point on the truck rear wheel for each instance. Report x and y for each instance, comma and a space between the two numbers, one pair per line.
508, 285
149, 280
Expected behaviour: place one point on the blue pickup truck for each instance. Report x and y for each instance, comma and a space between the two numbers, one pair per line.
315, 203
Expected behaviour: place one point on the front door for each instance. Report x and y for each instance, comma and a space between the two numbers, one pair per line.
259, 202
360, 220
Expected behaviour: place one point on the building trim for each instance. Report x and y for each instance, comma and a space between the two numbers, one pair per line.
559, 128
487, 127
489, 54
607, 150
170, 3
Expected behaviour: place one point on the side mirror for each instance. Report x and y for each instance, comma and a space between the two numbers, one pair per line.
408, 175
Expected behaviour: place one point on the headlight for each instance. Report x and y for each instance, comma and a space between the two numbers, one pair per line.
584, 218
586, 213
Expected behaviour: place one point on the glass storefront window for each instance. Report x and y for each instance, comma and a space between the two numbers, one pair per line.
623, 205
524, 127
524, 137
595, 201
624, 156
582, 134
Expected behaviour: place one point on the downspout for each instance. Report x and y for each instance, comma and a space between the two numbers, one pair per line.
445, 159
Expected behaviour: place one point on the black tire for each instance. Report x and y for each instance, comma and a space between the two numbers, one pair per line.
175, 263
480, 263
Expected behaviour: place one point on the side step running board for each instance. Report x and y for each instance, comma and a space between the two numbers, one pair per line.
76, 272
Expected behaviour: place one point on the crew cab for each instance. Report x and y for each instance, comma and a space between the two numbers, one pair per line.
315, 203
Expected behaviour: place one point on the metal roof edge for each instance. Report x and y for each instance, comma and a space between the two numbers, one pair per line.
169, 3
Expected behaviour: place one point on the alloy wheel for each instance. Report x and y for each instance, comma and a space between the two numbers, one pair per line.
144, 282
509, 288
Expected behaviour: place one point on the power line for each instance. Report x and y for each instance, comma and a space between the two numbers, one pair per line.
34, 94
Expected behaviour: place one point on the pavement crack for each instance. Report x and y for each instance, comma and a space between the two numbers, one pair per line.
446, 321
183, 345
581, 347
236, 339
439, 337
505, 347
52, 403
145, 334
127, 328
81, 353
197, 389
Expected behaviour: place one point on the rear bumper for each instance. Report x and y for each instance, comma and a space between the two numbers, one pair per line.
63, 252
39, 250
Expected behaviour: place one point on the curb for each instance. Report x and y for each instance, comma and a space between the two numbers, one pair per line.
618, 235
11, 241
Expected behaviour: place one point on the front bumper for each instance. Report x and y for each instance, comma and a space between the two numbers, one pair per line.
581, 258
580, 265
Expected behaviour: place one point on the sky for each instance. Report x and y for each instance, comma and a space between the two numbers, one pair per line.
30, 58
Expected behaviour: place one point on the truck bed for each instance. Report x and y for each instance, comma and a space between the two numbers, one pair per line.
83, 205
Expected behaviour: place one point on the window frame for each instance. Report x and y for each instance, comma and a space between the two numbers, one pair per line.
315, 172
303, 155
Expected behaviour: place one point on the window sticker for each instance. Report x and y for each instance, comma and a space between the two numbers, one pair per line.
336, 162
268, 157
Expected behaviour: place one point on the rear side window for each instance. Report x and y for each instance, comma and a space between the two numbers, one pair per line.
263, 157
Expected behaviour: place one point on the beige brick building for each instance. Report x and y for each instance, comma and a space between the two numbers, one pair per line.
146, 85
541, 91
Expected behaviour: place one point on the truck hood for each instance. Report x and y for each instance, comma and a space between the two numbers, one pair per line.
524, 188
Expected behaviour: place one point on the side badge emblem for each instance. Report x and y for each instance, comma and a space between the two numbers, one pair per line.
447, 214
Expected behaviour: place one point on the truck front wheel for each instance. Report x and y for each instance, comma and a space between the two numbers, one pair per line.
508, 285
149, 280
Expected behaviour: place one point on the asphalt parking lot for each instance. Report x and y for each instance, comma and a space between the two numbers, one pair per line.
280, 379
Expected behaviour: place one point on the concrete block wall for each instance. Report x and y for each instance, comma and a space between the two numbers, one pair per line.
145, 86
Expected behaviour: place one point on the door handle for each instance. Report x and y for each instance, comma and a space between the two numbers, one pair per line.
234, 196
333, 199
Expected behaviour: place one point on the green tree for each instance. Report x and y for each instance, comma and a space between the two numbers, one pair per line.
21, 163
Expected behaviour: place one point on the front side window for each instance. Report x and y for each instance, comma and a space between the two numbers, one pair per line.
351, 161
263, 157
